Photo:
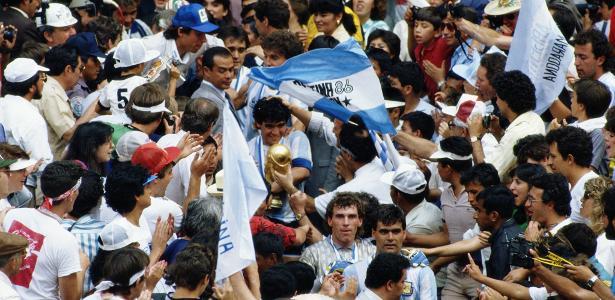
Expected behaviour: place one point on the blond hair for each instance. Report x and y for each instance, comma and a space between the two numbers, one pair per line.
594, 188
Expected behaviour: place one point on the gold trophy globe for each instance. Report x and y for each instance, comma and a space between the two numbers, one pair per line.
278, 159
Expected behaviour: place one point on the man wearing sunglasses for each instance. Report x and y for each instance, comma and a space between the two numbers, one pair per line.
389, 234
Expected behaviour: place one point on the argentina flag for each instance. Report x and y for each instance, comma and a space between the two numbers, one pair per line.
339, 82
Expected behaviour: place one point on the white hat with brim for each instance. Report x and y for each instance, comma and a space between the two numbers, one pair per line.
217, 189
57, 15
502, 7
393, 104
22, 69
407, 179
441, 154
115, 236
21, 164
132, 52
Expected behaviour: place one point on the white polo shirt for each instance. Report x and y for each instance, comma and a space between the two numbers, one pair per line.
24, 126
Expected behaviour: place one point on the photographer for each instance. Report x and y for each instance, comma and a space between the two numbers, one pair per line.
19, 14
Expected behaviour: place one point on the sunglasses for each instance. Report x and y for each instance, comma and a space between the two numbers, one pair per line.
449, 26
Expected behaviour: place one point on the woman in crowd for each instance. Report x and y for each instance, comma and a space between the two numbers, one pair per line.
387, 41
219, 11
331, 19
371, 13
520, 187
91, 144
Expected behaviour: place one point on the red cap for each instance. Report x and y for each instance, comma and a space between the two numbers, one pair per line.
154, 158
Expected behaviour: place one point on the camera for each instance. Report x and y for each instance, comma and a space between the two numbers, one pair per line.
487, 121
9, 34
592, 8
520, 252
169, 119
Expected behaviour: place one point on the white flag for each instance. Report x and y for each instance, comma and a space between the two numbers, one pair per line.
244, 190
540, 50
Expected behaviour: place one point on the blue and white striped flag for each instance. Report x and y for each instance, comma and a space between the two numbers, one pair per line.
339, 82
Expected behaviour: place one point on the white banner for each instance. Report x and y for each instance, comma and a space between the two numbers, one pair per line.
540, 50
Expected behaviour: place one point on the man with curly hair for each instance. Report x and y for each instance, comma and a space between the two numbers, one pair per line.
516, 101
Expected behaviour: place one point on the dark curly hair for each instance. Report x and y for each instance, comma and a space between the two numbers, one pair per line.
90, 193
533, 146
494, 63
191, 266
389, 214
555, 189
516, 89
600, 44
572, 141
284, 42
485, 174
499, 199
343, 200
60, 176
270, 110
460, 146
123, 185
276, 12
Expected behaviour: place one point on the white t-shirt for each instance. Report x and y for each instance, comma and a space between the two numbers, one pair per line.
538, 293
609, 80
142, 232
162, 207
605, 253
53, 252
116, 94
577, 195
4, 204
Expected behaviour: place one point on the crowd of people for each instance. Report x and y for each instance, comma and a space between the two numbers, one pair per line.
112, 184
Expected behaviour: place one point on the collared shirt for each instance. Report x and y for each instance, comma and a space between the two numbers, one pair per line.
459, 57
609, 80
24, 126
425, 218
57, 113
420, 282
457, 212
86, 231
436, 52
576, 193
320, 255
365, 180
368, 295
502, 157
560, 225
7, 292
498, 264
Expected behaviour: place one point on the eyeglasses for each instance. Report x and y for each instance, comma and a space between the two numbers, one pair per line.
449, 26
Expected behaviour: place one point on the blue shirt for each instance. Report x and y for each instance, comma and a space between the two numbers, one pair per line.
86, 231
459, 58
498, 264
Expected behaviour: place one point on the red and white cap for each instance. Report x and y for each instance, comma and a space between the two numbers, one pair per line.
467, 106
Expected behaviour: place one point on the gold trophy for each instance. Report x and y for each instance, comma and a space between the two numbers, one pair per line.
278, 159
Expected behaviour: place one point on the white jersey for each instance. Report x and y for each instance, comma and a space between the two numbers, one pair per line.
115, 96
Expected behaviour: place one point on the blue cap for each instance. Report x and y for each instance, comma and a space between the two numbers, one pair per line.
193, 16
86, 45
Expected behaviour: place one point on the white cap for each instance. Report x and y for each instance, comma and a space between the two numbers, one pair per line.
393, 104
407, 179
441, 154
22, 69
419, 3
133, 52
115, 236
128, 144
57, 15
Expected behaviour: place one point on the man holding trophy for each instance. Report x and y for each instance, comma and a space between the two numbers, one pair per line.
274, 149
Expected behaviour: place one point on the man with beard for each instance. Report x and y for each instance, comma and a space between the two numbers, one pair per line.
23, 124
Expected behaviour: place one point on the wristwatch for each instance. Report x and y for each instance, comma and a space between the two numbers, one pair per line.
592, 281
473, 139
298, 217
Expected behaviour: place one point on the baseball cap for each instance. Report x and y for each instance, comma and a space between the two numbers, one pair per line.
407, 178
115, 236
154, 158
441, 154
22, 69
12, 243
133, 52
128, 144
57, 15
86, 45
467, 106
393, 104
193, 16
